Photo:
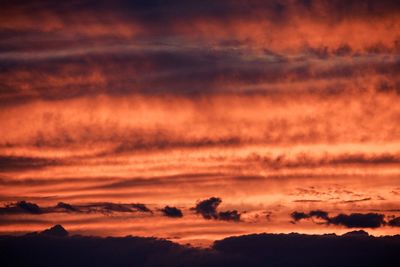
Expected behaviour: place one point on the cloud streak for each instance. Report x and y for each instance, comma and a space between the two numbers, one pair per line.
353, 220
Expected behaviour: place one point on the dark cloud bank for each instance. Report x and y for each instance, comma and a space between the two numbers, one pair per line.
53, 247
353, 220
25, 207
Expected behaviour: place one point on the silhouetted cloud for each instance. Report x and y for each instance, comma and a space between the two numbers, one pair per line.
310, 250
230, 215
172, 212
100, 207
54, 246
394, 222
141, 207
208, 207
357, 200
67, 207
297, 216
29, 207
353, 220
319, 214
116, 207
21, 207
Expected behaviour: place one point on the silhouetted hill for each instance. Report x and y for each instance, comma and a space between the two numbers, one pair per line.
56, 230
250, 250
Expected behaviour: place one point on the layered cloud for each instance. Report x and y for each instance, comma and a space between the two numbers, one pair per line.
353, 220
62, 207
277, 47
273, 106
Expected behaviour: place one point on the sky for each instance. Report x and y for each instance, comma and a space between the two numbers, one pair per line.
199, 120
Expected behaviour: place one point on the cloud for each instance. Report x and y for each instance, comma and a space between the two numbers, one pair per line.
204, 48
297, 216
100, 207
307, 200
309, 250
17, 163
395, 222
248, 250
208, 209
21, 207
141, 207
230, 215
172, 212
47, 249
111, 207
320, 214
67, 207
357, 200
353, 220
28, 207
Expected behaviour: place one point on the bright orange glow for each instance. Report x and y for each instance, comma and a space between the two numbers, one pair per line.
281, 111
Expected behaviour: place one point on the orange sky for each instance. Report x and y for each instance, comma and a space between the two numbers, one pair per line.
274, 107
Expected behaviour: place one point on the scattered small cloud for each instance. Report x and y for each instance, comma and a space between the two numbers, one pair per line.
208, 209
172, 212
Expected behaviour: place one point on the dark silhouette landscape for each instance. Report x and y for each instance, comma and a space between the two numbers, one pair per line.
54, 247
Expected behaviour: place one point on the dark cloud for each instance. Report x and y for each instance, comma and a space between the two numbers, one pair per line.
159, 180
21, 207
359, 220
357, 200
66, 206
47, 250
170, 72
14, 163
208, 207
320, 214
395, 222
33, 182
100, 207
154, 13
28, 207
310, 250
230, 215
172, 212
111, 207
141, 207
300, 161
297, 216
279, 250
353, 220
57, 51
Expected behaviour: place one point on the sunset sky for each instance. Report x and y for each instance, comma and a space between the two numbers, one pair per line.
198, 120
